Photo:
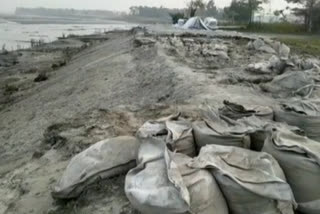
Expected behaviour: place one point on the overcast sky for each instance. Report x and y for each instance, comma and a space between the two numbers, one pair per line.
8, 6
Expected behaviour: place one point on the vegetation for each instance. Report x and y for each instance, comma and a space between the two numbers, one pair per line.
243, 10
281, 27
309, 10
305, 45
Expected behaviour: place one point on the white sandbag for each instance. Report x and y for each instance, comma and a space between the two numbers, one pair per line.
180, 137
103, 160
299, 158
304, 114
251, 182
163, 183
148, 187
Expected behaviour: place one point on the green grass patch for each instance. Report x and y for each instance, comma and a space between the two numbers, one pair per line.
281, 28
305, 45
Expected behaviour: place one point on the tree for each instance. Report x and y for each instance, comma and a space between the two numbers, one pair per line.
211, 9
243, 10
194, 5
307, 10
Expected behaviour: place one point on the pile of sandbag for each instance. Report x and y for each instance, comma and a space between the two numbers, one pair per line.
251, 182
176, 131
299, 158
304, 114
103, 160
164, 183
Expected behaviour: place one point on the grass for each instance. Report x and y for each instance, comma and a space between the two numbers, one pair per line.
280, 28
303, 45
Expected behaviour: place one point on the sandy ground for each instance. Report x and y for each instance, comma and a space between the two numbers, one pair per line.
101, 88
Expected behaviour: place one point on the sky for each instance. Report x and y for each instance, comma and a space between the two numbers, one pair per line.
8, 6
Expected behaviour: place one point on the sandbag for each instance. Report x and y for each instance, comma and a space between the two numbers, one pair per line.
290, 84
304, 114
103, 160
236, 111
180, 137
163, 183
175, 130
219, 131
148, 187
197, 185
251, 182
299, 158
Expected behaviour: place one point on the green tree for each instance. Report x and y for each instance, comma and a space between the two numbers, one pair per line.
211, 9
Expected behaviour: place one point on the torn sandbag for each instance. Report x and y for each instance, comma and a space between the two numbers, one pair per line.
299, 158
103, 160
180, 137
304, 114
251, 182
148, 187
163, 183
236, 111
290, 84
219, 131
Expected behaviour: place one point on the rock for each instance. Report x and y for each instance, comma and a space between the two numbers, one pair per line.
267, 49
258, 44
284, 52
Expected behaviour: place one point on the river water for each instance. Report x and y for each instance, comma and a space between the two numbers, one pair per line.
16, 36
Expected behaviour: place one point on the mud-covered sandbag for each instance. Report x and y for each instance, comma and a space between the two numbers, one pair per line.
219, 131
251, 182
290, 84
236, 111
180, 137
148, 187
304, 114
103, 160
197, 186
206, 135
175, 130
163, 183
299, 158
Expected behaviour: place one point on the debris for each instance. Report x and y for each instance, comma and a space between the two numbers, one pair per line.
299, 158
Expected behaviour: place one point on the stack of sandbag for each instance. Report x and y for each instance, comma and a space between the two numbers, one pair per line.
103, 160
299, 158
236, 111
163, 183
304, 114
218, 130
251, 182
290, 84
175, 130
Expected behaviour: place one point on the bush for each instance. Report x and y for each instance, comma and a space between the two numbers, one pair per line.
176, 16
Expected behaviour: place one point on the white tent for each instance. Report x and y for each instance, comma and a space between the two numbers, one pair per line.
211, 23
195, 23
